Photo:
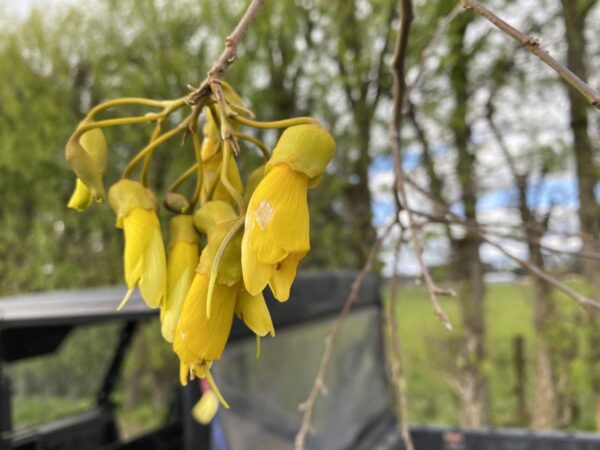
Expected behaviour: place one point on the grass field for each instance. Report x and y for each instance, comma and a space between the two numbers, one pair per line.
428, 350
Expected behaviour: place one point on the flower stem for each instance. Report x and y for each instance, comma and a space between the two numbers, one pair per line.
276, 123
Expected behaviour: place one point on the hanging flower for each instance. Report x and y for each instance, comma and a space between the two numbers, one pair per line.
276, 235
182, 260
93, 144
203, 328
144, 258
206, 409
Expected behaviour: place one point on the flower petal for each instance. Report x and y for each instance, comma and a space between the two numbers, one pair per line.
278, 212
283, 277
205, 410
197, 337
138, 226
255, 273
253, 310
153, 282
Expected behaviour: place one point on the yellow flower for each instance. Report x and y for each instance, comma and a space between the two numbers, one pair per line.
144, 258
206, 409
200, 337
93, 143
276, 235
182, 261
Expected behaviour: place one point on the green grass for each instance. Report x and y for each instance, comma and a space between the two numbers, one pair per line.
430, 354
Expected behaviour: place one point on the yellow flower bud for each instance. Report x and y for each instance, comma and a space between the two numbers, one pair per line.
212, 157
87, 158
304, 148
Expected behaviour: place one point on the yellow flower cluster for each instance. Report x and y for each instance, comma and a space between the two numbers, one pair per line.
228, 240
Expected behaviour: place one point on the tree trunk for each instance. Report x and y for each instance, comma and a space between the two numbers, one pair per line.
575, 13
545, 404
473, 390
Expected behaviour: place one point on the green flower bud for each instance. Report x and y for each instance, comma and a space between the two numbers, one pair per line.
87, 158
177, 203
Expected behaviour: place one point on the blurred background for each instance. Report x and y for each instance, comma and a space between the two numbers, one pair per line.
490, 131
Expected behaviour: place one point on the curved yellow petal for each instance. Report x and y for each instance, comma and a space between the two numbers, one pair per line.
256, 274
81, 198
253, 310
278, 215
153, 282
171, 312
283, 276
138, 227
197, 337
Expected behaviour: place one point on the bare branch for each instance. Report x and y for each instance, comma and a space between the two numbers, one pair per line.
582, 300
229, 55
318, 386
533, 46
428, 51
394, 141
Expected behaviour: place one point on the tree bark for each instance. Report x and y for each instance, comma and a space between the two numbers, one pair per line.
545, 404
468, 267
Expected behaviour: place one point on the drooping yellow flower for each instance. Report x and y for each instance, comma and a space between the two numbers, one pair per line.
182, 260
206, 409
276, 235
93, 144
200, 337
144, 257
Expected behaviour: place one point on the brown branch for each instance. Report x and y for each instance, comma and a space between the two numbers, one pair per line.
318, 386
533, 46
229, 54
398, 66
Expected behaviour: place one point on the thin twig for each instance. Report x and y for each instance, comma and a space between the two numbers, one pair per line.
318, 386
533, 46
582, 300
394, 141
394, 352
428, 51
229, 54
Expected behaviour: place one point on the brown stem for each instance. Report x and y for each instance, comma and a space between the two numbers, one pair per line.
229, 55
